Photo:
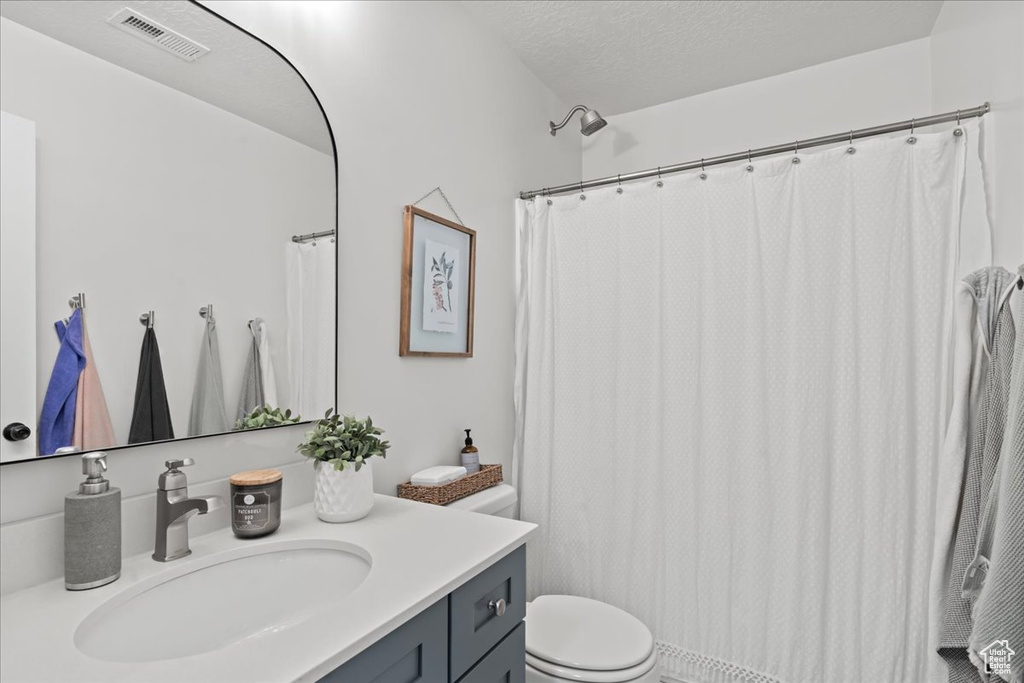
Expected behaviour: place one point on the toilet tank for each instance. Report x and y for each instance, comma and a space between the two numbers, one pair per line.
498, 500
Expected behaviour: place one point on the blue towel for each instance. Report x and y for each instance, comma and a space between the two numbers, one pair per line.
57, 418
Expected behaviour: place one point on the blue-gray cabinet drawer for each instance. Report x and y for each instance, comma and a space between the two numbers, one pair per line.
416, 651
504, 664
474, 626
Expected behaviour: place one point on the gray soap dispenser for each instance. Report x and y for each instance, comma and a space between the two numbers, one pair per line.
92, 529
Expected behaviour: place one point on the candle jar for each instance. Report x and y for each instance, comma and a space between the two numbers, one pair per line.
256, 503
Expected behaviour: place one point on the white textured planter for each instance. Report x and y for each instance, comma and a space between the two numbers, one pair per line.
343, 496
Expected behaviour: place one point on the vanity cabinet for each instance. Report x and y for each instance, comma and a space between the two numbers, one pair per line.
475, 634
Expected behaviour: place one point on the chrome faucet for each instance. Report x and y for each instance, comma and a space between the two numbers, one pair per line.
173, 510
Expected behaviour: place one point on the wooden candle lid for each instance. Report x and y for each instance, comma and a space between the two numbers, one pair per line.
256, 477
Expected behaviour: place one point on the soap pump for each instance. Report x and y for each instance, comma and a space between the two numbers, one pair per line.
92, 529
470, 455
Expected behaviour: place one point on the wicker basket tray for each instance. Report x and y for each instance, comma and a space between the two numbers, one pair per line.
488, 476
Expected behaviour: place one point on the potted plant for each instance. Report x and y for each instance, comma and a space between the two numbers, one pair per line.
341, 448
265, 416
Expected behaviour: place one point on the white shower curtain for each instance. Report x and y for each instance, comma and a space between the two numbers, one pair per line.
312, 303
728, 404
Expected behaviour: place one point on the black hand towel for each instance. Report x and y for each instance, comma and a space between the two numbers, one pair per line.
151, 420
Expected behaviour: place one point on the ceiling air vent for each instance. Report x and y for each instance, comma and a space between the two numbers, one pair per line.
130, 21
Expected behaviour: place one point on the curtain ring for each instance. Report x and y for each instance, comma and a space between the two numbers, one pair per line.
582, 196
619, 189
912, 139
750, 166
851, 149
796, 151
659, 183
958, 117
703, 174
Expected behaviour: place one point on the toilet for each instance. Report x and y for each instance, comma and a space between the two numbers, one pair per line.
569, 638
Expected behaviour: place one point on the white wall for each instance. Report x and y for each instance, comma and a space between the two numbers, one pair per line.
977, 53
876, 87
150, 199
420, 95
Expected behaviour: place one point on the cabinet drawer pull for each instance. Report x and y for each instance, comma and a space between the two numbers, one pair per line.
497, 606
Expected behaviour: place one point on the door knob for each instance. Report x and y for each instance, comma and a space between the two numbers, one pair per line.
17, 431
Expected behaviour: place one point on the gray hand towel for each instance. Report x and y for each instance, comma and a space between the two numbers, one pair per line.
252, 380
989, 416
999, 610
151, 419
208, 414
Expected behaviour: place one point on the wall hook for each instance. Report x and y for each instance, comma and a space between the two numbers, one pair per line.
77, 301
148, 319
206, 312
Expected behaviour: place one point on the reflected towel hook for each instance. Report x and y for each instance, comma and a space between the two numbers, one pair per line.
206, 311
77, 301
147, 319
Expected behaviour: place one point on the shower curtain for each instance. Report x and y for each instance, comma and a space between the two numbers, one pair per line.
729, 403
311, 313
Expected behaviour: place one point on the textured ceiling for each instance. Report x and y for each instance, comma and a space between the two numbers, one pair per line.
240, 74
619, 56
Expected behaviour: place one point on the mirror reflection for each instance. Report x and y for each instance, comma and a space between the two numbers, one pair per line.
168, 252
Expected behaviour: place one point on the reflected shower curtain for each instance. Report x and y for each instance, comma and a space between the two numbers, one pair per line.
311, 314
729, 405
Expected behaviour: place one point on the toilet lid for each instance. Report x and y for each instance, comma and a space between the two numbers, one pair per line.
566, 673
585, 634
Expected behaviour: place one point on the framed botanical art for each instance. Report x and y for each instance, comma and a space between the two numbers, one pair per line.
438, 286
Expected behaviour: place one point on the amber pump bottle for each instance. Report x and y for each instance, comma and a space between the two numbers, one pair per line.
470, 455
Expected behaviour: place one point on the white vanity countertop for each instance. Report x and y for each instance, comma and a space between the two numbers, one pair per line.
419, 554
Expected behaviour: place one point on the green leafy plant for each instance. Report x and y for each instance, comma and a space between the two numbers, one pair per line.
343, 441
442, 280
265, 416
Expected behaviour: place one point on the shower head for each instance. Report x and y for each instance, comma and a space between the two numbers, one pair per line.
590, 122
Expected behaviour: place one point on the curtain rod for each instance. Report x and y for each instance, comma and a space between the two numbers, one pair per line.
312, 235
848, 136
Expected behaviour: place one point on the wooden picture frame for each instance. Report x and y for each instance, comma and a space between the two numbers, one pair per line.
427, 313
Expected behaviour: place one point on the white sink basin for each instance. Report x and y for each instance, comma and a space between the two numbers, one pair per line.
210, 603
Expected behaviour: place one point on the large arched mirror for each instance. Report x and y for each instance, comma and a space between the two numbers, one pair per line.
168, 253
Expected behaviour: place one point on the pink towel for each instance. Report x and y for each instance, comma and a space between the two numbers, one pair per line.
93, 428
